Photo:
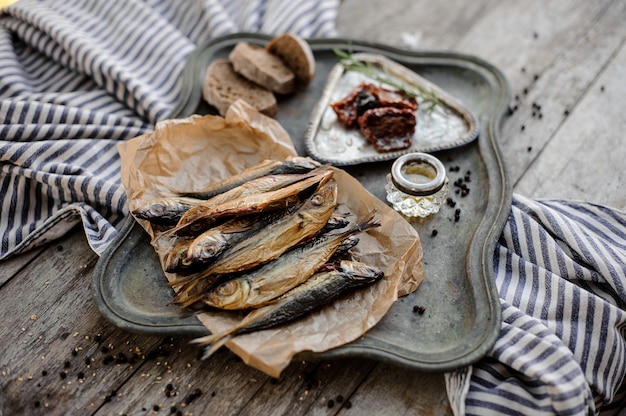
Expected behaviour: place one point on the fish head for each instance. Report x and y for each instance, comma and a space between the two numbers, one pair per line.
229, 295
360, 271
205, 249
323, 201
150, 209
301, 164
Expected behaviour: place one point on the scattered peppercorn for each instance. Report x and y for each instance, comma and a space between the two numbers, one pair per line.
331, 403
121, 358
523, 127
530, 148
434, 233
339, 398
347, 404
419, 309
81, 375
63, 374
44, 373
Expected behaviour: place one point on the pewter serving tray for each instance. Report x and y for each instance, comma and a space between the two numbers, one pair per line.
453, 318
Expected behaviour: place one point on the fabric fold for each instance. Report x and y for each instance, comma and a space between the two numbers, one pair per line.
79, 75
560, 269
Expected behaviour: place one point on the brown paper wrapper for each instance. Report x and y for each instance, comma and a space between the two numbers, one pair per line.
189, 154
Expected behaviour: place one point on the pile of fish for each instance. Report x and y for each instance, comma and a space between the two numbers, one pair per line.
269, 240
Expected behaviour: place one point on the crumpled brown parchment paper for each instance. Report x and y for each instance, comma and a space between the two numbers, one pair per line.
189, 154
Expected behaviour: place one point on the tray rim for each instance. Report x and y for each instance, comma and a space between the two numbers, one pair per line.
490, 226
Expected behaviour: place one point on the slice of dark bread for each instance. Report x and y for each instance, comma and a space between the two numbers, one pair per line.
222, 86
296, 53
262, 67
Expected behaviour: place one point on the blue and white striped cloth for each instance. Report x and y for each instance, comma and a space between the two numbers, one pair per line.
560, 269
78, 76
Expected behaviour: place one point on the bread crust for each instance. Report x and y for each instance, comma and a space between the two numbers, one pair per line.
296, 53
260, 66
223, 86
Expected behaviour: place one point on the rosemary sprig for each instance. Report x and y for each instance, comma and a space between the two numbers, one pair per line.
366, 68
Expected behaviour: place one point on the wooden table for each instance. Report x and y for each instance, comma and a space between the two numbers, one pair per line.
566, 65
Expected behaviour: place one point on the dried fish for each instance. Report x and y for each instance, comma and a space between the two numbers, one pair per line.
295, 164
205, 248
318, 290
251, 204
278, 237
176, 260
263, 284
260, 185
164, 210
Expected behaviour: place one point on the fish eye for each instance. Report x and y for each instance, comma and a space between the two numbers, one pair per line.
227, 289
209, 250
317, 200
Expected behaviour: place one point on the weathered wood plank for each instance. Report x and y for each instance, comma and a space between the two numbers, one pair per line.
423, 24
318, 388
9, 267
50, 328
565, 45
585, 159
392, 390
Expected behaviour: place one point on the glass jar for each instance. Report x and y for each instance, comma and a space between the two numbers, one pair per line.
417, 185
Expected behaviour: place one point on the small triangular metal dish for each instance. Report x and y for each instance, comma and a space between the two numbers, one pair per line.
442, 121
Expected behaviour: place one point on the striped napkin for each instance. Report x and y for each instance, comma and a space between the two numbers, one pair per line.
560, 269
78, 76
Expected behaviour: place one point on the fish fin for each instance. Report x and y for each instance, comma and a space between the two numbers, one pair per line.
216, 346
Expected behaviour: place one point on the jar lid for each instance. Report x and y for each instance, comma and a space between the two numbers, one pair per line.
402, 180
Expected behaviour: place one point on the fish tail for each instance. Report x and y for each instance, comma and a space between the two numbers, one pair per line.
184, 291
187, 302
214, 342
369, 222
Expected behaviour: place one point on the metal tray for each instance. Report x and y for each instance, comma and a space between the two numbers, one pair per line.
454, 316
